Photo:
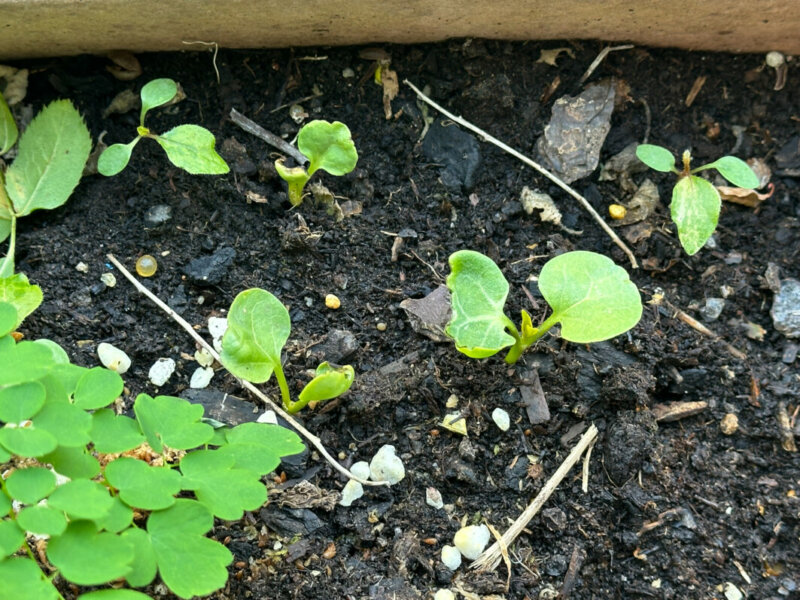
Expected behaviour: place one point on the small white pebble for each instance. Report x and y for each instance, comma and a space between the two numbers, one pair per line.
82, 267
732, 592
360, 469
352, 491
444, 594
452, 401
217, 326
471, 540
203, 357
433, 497
161, 371
386, 466
268, 416
201, 378
108, 279
451, 557
113, 358
501, 419
348, 73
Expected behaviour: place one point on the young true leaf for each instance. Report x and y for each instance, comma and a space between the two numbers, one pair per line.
87, 557
144, 567
42, 519
171, 421
143, 486
11, 537
328, 146
23, 296
22, 401
259, 447
73, 462
115, 158
656, 157
98, 387
258, 327
478, 294
8, 128
82, 499
113, 433
736, 171
31, 484
329, 382
190, 564
591, 297
114, 595
296, 178
156, 93
23, 580
695, 210
191, 148
27, 441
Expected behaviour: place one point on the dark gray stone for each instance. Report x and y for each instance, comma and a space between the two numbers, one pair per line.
337, 346
211, 269
290, 521
457, 150
786, 309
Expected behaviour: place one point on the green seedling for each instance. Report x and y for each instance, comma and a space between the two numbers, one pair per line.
188, 147
258, 328
55, 418
328, 146
592, 298
50, 158
696, 202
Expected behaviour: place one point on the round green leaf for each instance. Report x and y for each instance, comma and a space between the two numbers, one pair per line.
113, 433
143, 486
11, 537
695, 211
191, 148
97, 388
23, 580
59, 355
260, 446
25, 361
74, 463
114, 595
118, 518
329, 382
42, 519
5, 504
31, 484
258, 327
144, 567
86, 557
656, 157
328, 146
82, 499
69, 375
736, 171
8, 318
66, 422
478, 293
157, 92
170, 421
27, 441
20, 402
591, 297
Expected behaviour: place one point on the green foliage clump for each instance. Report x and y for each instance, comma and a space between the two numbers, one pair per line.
55, 423
258, 328
188, 147
696, 203
592, 298
328, 146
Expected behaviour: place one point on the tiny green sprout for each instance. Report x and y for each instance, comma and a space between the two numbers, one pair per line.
258, 328
328, 146
696, 203
592, 298
188, 147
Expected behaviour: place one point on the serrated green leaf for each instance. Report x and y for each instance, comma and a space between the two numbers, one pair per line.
25, 361
113, 433
155, 93
258, 327
98, 387
22, 295
11, 537
144, 567
82, 499
190, 564
8, 127
114, 595
75, 463
87, 557
31, 484
175, 422
8, 318
42, 520
21, 401
191, 148
224, 489
478, 293
329, 382
52, 153
115, 158
591, 297
143, 486
259, 447
328, 146
656, 157
118, 518
23, 580
67, 423
27, 441
736, 171
695, 210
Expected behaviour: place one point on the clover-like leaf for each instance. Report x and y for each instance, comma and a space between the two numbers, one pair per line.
591, 297
144, 566
119, 517
143, 486
8, 127
259, 447
112, 433
110, 594
21, 294
66, 422
115, 158
8, 318
11, 537
190, 564
155, 93
328, 146
328, 382
87, 557
25, 361
191, 148
28, 441
42, 519
75, 463
5, 502
21, 401
31, 484
171, 421
23, 580
736, 171
82, 499
258, 327
98, 387
695, 210
656, 157
478, 294
58, 354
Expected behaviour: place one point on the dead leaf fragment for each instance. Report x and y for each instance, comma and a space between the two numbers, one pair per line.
126, 66
535, 200
123, 102
254, 197
16, 84
549, 57
674, 411
390, 88
641, 206
743, 196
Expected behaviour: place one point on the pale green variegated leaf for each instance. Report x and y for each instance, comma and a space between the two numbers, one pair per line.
191, 148
695, 210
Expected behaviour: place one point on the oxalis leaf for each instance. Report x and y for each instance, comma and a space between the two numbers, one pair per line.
8, 318
114, 433
259, 447
23, 580
191, 148
171, 421
143, 486
21, 401
42, 519
114, 595
87, 557
25, 361
478, 294
82, 499
11, 537
591, 297
695, 210
328, 146
258, 327
31, 484
23, 296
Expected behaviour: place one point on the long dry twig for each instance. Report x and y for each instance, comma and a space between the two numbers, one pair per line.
314, 440
601, 57
585, 203
257, 130
491, 557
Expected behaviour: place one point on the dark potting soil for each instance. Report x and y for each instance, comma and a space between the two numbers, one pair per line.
673, 510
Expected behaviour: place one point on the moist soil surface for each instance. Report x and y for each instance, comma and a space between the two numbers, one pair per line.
682, 509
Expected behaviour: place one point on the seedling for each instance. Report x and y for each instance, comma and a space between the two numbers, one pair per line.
258, 328
188, 147
118, 516
50, 159
592, 298
695, 202
328, 146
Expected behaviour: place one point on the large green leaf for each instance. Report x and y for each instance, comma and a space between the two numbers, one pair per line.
155, 93
25, 361
143, 486
8, 128
87, 557
591, 297
118, 518
328, 146
695, 210
52, 153
656, 157
121, 594
8, 318
170, 421
736, 171
478, 293
23, 580
258, 327
97, 388
66, 422
191, 148
17, 291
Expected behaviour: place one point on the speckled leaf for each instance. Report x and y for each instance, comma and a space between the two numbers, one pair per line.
695, 210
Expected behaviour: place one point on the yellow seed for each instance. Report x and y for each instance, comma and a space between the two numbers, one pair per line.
617, 211
381, 326
146, 266
332, 302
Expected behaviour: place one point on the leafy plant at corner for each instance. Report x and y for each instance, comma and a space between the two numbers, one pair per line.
51, 155
592, 298
696, 203
54, 418
328, 146
258, 328
188, 147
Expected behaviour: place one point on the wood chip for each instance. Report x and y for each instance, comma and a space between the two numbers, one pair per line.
698, 85
674, 411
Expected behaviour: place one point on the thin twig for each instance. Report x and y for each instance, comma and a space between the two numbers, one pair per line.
491, 557
273, 140
600, 57
585, 472
533, 165
314, 440
214, 59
